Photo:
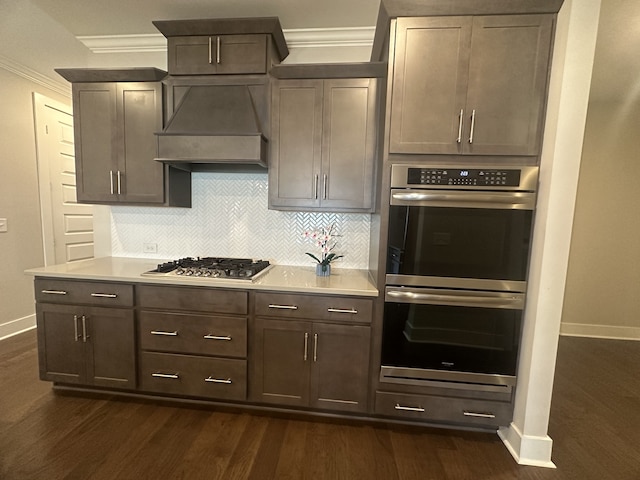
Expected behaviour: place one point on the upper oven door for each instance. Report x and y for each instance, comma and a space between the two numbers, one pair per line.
459, 239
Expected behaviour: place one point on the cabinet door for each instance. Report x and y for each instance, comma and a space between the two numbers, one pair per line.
296, 143
140, 179
217, 54
340, 372
429, 84
348, 145
280, 358
60, 347
94, 110
110, 347
507, 83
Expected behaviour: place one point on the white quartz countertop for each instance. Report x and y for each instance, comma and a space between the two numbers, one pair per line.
283, 278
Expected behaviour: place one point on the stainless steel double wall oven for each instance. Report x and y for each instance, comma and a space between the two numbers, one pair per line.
457, 261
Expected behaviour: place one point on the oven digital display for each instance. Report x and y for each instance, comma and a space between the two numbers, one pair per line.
463, 177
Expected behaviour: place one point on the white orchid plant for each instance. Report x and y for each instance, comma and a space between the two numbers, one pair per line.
324, 239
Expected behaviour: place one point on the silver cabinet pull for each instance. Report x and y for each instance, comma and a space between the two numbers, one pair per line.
218, 380
352, 311
104, 295
218, 337
283, 307
163, 333
306, 345
460, 121
165, 375
75, 328
85, 336
218, 42
54, 292
111, 181
315, 347
325, 184
478, 415
408, 409
315, 187
473, 125
210, 54
119, 182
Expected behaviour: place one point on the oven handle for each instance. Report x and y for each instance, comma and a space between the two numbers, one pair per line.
505, 200
512, 300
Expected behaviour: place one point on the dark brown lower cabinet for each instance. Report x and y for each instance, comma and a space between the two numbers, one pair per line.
310, 364
82, 345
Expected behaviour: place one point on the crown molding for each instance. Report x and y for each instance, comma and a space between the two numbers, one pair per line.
296, 38
35, 77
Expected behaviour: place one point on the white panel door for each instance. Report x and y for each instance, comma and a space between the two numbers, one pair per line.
67, 225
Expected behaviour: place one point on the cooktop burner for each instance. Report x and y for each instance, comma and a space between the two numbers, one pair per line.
212, 267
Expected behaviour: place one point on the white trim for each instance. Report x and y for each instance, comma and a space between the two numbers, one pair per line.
143, 43
330, 37
527, 449
35, 77
600, 331
14, 327
295, 38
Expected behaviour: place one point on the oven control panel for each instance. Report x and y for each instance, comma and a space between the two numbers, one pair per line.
464, 176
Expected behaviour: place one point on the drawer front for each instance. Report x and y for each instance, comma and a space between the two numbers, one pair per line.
320, 307
481, 413
205, 299
104, 294
193, 376
189, 333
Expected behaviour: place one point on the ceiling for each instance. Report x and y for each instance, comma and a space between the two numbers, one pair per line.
120, 17
617, 64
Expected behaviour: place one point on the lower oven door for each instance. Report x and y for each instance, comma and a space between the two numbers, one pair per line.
452, 338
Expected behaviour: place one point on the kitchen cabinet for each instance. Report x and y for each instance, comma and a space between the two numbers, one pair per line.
217, 54
444, 409
223, 46
298, 360
193, 341
470, 84
115, 145
323, 144
86, 333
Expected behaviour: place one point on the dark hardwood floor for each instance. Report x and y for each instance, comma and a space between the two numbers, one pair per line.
595, 425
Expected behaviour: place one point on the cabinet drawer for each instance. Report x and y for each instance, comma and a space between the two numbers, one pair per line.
82, 292
325, 307
209, 300
189, 333
193, 376
482, 413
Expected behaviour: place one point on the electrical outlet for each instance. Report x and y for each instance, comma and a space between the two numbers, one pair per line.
149, 248
3, 225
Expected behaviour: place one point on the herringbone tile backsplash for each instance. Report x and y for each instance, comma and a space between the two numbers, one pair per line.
229, 218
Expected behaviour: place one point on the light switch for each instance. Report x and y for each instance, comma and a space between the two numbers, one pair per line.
3, 225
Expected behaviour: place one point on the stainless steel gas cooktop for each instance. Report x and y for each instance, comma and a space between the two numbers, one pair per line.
213, 267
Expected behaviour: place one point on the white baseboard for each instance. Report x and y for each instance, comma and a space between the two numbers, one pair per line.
527, 449
9, 329
599, 331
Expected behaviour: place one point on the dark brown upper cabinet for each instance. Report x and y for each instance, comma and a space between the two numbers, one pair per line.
470, 84
323, 141
229, 46
116, 113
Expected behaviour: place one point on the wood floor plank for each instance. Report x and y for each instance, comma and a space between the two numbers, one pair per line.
594, 424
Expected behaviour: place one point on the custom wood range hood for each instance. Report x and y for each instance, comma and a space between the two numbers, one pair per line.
217, 92
214, 124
